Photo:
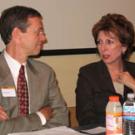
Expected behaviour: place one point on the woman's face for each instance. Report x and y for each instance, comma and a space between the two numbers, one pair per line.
109, 47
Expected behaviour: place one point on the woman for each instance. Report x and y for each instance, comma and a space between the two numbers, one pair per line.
112, 75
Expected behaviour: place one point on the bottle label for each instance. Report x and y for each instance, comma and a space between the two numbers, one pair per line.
113, 123
129, 112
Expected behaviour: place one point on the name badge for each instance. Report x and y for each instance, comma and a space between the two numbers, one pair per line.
8, 92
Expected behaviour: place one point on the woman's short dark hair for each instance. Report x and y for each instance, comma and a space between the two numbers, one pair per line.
15, 16
120, 26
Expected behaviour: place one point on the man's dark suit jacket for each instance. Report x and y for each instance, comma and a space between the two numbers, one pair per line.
94, 86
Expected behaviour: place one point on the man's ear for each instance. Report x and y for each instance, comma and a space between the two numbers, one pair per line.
16, 33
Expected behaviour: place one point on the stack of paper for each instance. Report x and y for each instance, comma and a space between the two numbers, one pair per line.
52, 131
94, 131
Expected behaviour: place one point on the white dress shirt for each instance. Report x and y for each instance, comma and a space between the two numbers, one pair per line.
119, 88
14, 67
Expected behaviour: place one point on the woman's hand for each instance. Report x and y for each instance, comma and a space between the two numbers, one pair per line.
127, 79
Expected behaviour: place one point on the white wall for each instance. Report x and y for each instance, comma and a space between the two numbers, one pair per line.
68, 23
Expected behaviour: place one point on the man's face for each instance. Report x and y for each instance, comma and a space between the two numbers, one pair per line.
33, 39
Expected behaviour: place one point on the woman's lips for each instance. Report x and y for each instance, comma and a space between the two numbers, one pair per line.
105, 56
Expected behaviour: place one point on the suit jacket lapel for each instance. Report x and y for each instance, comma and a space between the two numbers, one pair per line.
128, 69
33, 86
106, 78
6, 78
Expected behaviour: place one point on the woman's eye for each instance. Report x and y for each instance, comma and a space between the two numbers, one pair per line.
99, 42
109, 42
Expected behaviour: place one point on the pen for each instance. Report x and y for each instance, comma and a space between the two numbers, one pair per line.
84, 132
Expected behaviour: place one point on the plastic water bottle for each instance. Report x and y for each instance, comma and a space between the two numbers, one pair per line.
129, 115
114, 116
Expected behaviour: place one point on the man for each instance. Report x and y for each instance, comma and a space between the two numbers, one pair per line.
22, 31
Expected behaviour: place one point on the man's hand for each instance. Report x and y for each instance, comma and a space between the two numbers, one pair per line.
3, 114
47, 112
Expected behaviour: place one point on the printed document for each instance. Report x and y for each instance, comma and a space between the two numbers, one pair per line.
63, 130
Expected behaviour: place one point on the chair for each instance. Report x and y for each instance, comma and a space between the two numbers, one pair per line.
72, 117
